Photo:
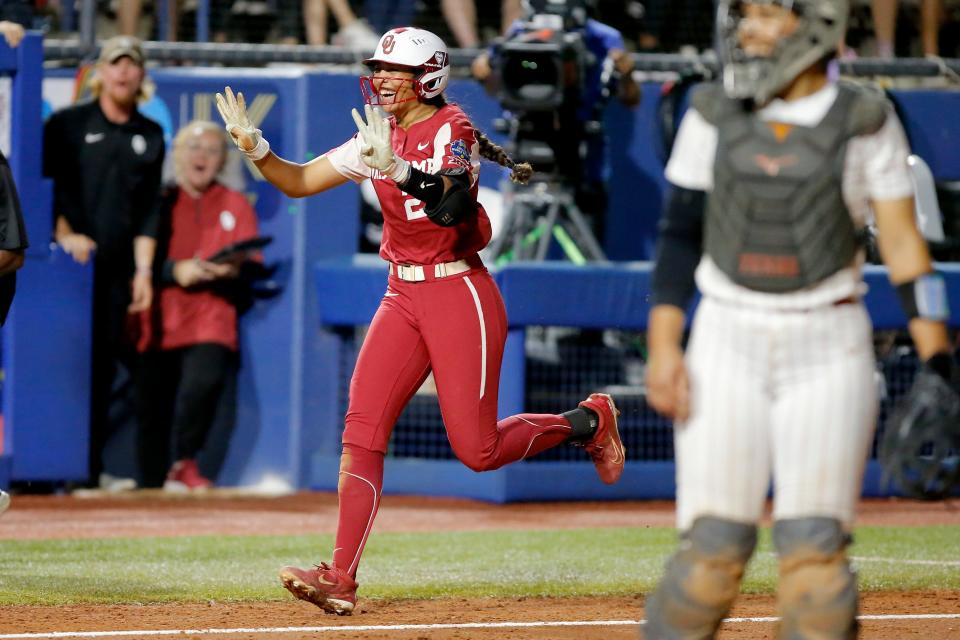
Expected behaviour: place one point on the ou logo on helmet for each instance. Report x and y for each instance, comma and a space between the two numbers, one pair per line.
389, 42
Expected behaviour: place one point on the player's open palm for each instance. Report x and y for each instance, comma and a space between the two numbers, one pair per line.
376, 149
233, 110
668, 387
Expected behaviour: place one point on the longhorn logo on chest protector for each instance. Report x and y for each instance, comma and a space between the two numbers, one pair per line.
772, 165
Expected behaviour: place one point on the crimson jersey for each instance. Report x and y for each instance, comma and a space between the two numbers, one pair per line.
199, 228
445, 140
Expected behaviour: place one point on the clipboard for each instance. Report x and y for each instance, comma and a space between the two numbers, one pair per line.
240, 250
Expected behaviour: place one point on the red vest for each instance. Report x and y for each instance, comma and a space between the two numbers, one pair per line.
199, 228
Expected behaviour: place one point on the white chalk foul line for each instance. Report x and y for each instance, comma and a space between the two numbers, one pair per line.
413, 627
929, 563
937, 563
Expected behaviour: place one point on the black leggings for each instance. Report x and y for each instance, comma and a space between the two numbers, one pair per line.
179, 392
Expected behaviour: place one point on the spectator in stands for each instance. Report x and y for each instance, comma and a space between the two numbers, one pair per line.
387, 14
510, 12
353, 32
885, 25
461, 17
189, 337
105, 159
130, 11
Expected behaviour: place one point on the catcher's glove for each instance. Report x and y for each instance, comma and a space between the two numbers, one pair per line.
921, 444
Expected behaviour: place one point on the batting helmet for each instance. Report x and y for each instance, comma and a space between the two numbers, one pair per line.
821, 28
421, 52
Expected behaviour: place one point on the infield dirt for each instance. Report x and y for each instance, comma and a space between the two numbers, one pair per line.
144, 514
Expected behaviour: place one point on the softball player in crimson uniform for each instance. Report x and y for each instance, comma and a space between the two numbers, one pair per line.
773, 174
441, 312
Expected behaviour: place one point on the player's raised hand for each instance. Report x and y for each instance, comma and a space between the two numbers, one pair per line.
376, 149
668, 387
233, 110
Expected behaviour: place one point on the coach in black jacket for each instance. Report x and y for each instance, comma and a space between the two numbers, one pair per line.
105, 159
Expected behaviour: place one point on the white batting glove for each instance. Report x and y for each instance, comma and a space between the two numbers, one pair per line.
248, 138
376, 151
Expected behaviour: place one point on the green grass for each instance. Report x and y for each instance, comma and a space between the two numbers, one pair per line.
420, 565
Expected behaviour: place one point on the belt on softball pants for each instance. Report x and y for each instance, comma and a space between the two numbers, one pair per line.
420, 273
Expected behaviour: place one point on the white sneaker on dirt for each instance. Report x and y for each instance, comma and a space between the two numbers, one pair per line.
116, 484
4, 501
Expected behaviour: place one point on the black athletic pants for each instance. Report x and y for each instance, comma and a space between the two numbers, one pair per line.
179, 392
112, 361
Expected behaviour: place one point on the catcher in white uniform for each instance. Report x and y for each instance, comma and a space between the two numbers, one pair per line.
774, 174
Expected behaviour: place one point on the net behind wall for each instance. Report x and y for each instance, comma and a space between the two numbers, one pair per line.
564, 366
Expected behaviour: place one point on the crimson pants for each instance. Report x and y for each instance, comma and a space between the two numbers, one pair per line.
456, 327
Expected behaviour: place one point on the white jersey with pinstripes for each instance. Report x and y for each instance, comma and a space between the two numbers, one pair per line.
782, 385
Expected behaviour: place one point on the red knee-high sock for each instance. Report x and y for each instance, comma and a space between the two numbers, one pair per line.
527, 434
361, 481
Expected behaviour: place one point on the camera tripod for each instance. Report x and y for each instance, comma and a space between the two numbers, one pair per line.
536, 213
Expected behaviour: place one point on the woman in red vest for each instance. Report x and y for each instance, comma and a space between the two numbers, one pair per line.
189, 339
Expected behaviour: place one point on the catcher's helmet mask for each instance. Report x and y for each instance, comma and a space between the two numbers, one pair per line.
822, 26
417, 50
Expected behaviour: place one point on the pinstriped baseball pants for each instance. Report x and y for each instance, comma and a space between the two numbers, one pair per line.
787, 396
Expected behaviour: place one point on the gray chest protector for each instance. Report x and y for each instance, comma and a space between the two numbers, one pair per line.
776, 220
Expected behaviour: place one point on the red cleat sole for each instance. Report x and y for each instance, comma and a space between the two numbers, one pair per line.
305, 592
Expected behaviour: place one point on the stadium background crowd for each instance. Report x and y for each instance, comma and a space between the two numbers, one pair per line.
877, 27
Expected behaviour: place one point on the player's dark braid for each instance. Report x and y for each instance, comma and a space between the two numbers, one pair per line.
520, 172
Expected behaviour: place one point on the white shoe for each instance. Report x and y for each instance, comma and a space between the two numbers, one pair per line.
357, 35
115, 484
4, 501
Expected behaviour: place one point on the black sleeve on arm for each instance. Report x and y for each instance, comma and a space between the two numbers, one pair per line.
166, 273
678, 248
457, 203
445, 206
60, 164
425, 187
